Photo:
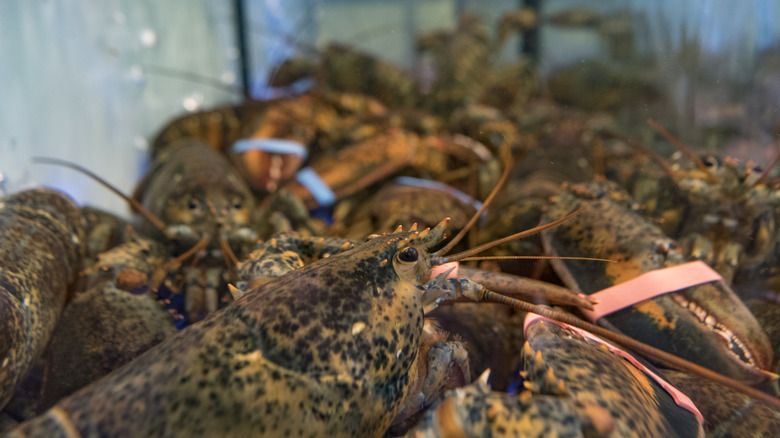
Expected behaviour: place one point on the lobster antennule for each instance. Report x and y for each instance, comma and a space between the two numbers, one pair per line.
438, 259
227, 253
157, 222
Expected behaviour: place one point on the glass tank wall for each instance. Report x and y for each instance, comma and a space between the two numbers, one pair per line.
94, 81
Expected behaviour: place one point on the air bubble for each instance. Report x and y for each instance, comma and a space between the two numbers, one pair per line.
193, 102
148, 37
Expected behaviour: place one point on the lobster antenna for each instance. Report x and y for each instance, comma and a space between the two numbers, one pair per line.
194, 78
592, 259
157, 222
661, 356
684, 149
468, 253
507, 158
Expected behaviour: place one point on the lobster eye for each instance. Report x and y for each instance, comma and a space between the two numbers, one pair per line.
192, 205
408, 255
711, 162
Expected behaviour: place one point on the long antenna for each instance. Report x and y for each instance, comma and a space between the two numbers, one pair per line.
157, 222
501, 182
486, 246
192, 77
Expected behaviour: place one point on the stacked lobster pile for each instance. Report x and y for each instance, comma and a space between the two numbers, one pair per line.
248, 301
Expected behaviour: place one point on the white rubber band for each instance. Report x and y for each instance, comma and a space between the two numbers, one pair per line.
436, 185
273, 145
316, 186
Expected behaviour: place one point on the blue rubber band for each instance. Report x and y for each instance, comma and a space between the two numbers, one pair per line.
436, 185
273, 145
316, 186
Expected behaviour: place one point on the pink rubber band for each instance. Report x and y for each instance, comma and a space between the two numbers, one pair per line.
444, 268
681, 399
650, 285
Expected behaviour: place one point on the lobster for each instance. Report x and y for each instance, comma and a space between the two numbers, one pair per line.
341, 332
41, 249
333, 344
730, 341
101, 329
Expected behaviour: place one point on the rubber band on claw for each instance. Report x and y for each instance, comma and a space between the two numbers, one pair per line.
650, 285
440, 269
322, 193
272, 145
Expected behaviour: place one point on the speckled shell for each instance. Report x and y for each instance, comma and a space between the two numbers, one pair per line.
322, 351
101, 330
727, 412
606, 227
41, 233
475, 411
637, 404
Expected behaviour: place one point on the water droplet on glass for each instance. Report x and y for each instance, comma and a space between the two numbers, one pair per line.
228, 77
193, 102
140, 143
148, 37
